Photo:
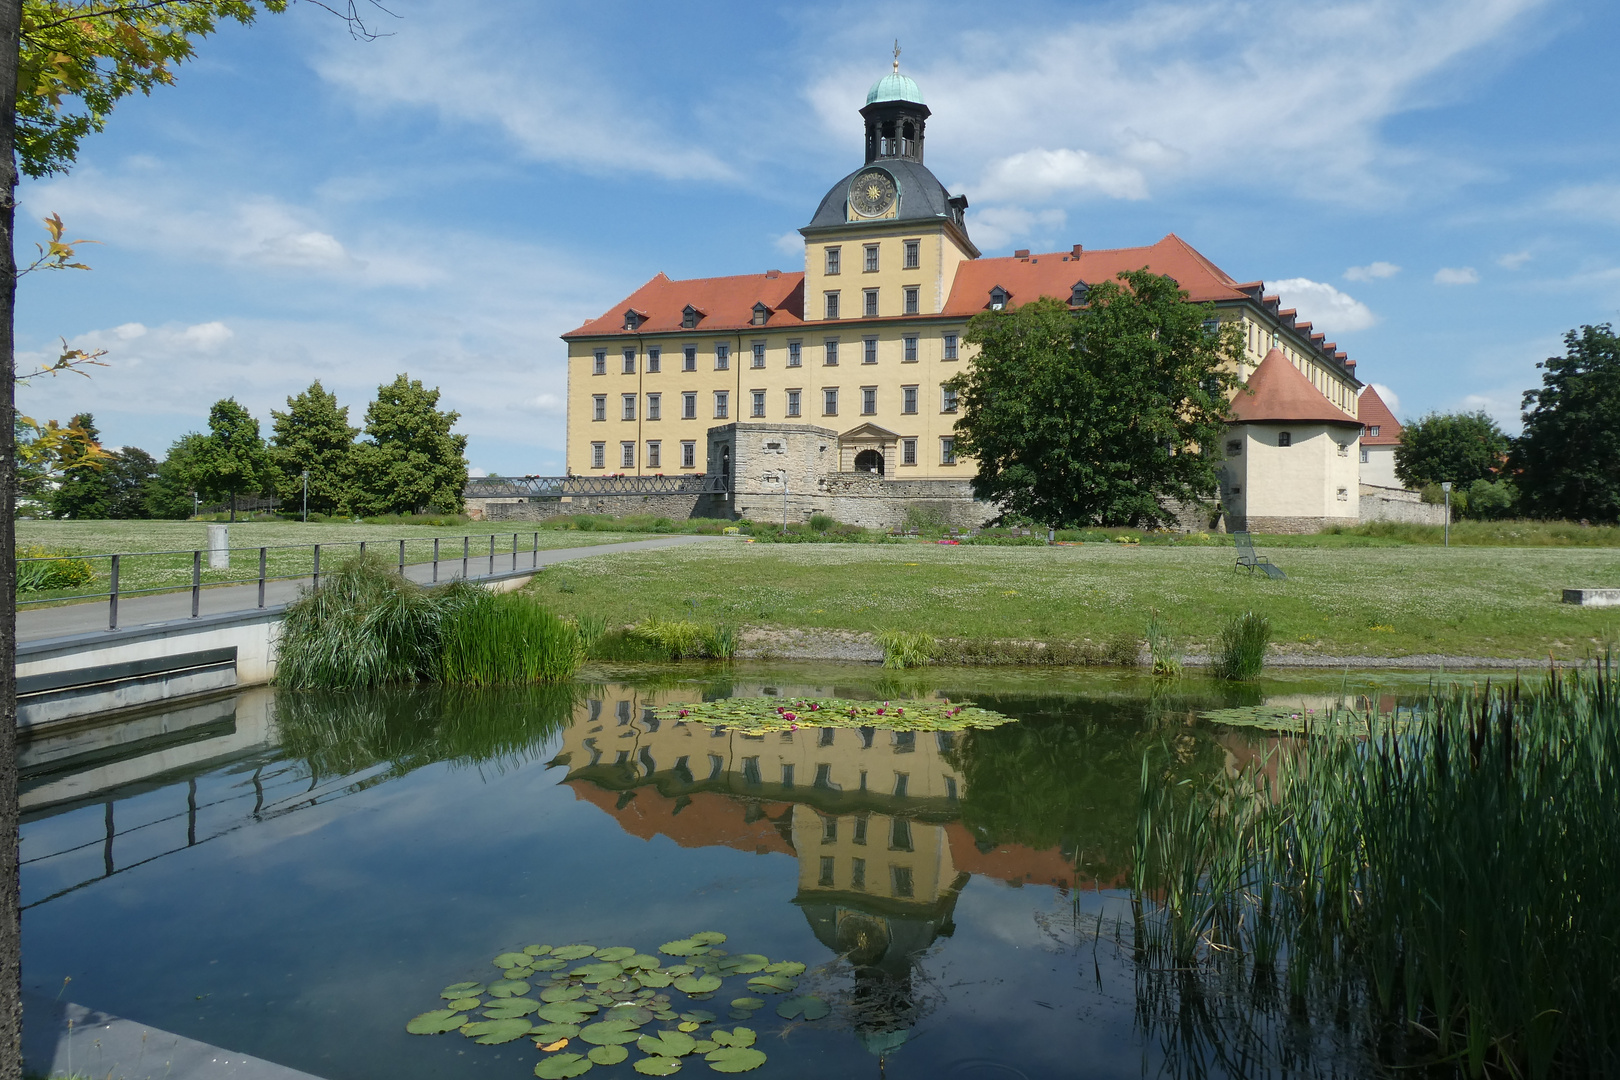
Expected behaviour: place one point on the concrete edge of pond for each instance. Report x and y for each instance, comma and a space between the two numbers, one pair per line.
61, 1039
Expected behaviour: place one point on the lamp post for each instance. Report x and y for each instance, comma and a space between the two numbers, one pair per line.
1445, 486
306, 496
196, 504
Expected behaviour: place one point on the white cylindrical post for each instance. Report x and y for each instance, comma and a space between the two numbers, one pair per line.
219, 547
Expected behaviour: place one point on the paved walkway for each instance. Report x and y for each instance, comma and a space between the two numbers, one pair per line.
90, 616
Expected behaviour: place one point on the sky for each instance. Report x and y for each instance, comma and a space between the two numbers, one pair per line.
1435, 183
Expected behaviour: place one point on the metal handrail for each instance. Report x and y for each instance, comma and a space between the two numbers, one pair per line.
115, 559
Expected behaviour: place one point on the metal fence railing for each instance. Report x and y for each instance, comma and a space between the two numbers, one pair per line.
143, 573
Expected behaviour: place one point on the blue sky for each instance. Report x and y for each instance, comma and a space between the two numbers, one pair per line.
1436, 183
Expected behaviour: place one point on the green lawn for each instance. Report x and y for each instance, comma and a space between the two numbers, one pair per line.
1338, 601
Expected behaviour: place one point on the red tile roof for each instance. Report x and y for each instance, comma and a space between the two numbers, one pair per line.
1055, 274
1373, 411
1279, 392
727, 303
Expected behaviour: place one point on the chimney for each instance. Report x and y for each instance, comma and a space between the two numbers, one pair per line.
1078, 248
773, 273
1021, 253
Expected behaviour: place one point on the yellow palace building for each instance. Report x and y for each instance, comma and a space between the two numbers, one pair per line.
823, 390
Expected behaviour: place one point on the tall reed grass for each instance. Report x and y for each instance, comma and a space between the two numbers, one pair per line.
1240, 647
907, 648
499, 639
1440, 894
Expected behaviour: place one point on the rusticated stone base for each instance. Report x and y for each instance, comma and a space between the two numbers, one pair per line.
1295, 525
675, 507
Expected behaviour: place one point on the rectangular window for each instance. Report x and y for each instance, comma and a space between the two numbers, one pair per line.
832, 352
900, 880
759, 354
598, 406
722, 357
950, 346
598, 455
627, 455
722, 404
795, 353
832, 305
908, 348
829, 401
655, 357
871, 303
688, 455
913, 255
599, 366
793, 403
758, 403
869, 350
947, 450
908, 399
908, 451
912, 303
627, 406
826, 879
655, 406
860, 822
689, 406
832, 262
655, 456
1364, 455
868, 401
871, 253
689, 358
857, 874
829, 825
947, 399
629, 361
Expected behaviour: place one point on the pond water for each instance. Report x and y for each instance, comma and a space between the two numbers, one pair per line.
295, 876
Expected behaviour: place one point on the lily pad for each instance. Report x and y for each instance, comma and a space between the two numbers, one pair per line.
464, 1004
738, 1036
611, 1054
747, 1003
786, 967
461, 990
552, 1032
512, 960
741, 1014
495, 1032
609, 1033
710, 937
549, 963
680, 969
562, 993
436, 1022
566, 1012
734, 1059
615, 953
631, 1014
698, 984
682, 947
596, 997
517, 973
810, 1006
703, 1046
755, 715
667, 1044
561, 1066
641, 960
503, 1007
744, 963
574, 952
537, 950
595, 973
508, 988
702, 1016
658, 1066
653, 978
772, 984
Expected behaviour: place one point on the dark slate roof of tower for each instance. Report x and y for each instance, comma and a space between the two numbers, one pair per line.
922, 197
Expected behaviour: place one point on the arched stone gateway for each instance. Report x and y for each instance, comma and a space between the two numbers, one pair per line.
869, 461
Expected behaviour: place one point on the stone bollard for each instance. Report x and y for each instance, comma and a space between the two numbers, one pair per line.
219, 547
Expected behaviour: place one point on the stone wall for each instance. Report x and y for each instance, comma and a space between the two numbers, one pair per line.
675, 507
1297, 525
1398, 504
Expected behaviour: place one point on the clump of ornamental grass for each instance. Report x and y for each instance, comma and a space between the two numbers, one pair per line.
907, 648
505, 639
1240, 647
1439, 893
1162, 646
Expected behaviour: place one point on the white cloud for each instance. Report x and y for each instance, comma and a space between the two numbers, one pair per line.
1513, 261
789, 243
1326, 308
550, 404
205, 337
1502, 405
473, 470
1588, 202
129, 331
1389, 396
1456, 275
998, 226
1372, 271
1040, 175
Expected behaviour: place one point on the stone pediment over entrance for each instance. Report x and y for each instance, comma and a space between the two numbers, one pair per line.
869, 433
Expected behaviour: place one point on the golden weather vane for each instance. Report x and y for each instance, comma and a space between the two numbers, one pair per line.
897, 56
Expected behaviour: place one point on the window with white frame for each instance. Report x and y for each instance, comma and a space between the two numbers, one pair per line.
627, 406
654, 455
598, 406
908, 399
831, 345
833, 256
759, 354
688, 454
793, 402
654, 359
689, 405
950, 346
912, 302
908, 451
722, 404
629, 361
655, 406
627, 455
599, 363
598, 455
832, 305
870, 253
722, 356
689, 358
795, 353
869, 350
913, 255
871, 303
1364, 455
908, 348
757, 405
947, 399
868, 401
829, 401
947, 450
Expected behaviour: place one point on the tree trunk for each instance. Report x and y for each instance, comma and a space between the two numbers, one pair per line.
10, 913
233, 507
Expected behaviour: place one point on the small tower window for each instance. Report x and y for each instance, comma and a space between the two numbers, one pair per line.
1077, 295
690, 316
761, 313
999, 298
632, 319
1285, 438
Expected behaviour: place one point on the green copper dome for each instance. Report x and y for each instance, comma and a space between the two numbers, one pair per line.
894, 87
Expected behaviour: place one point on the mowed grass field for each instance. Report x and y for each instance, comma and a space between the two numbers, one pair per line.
1338, 601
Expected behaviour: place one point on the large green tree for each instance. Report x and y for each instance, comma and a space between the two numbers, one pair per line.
1459, 447
233, 460
169, 494
1102, 415
314, 435
1568, 458
81, 490
410, 460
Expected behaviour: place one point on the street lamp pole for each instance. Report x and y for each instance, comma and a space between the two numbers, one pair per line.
1445, 486
306, 496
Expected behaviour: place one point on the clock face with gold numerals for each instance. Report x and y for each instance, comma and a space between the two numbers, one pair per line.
872, 193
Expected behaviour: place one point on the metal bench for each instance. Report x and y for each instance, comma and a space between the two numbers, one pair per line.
1248, 560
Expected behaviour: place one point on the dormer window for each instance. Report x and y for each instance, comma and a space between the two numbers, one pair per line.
999, 298
689, 317
1077, 295
632, 319
761, 313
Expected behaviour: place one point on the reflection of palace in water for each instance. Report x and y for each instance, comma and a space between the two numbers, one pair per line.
871, 815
